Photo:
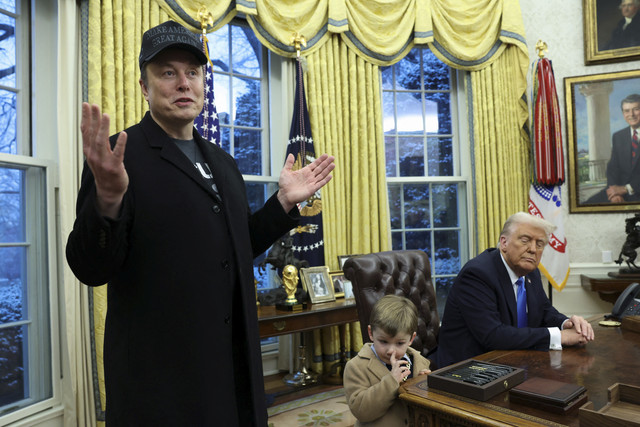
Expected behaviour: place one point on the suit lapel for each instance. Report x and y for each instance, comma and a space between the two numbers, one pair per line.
507, 288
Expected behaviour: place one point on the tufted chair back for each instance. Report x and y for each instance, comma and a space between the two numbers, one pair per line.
403, 272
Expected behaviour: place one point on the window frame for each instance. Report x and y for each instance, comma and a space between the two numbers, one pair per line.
45, 276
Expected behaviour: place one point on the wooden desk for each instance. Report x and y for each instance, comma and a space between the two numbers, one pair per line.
608, 288
274, 322
613, 357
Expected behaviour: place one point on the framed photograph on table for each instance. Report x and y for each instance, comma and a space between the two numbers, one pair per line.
601, 112
340, 283
317, 283
609, 34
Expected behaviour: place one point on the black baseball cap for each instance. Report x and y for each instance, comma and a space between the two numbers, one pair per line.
166, 35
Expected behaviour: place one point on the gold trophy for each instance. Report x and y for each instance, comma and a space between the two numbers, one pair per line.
290, 284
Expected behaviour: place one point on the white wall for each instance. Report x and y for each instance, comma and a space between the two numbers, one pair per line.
560, 25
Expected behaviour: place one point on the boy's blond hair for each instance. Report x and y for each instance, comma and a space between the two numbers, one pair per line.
394, 314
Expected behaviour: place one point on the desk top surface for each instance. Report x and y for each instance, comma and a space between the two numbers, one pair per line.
269, 312
613, 357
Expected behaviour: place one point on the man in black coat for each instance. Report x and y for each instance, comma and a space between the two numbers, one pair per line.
623, 168
167, 226
481, 313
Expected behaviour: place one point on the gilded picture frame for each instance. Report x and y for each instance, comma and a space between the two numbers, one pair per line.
605, 40
594, 117
318, 284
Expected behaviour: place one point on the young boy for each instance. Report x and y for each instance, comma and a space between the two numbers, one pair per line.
371, 379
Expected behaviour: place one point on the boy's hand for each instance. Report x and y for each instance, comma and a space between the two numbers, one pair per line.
399, 369
424, 372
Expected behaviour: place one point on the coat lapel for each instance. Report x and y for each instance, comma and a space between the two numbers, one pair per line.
158, 138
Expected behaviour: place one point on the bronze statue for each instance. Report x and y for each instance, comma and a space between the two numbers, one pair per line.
281, 255
631, 243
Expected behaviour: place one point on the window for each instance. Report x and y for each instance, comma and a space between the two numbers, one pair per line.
427, 190
29, 359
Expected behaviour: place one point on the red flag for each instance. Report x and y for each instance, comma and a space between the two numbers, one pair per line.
547, 133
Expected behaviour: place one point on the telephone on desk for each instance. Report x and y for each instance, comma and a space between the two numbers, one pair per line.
628, 303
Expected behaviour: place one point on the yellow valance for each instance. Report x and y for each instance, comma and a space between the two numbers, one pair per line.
465, 34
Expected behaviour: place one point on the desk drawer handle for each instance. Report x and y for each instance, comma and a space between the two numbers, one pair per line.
279, 325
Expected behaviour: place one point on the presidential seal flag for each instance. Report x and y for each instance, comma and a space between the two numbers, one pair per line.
207, 123
307, 236
545, 199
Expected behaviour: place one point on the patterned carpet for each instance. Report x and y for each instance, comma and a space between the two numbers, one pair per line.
323, 409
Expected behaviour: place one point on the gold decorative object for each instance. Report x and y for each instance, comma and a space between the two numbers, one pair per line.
206, 19
541, 48
290, 283
297, 40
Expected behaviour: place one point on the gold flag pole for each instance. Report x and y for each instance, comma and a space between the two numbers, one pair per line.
541, 48
298, 40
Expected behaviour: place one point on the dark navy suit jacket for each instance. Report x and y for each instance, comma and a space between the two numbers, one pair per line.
480, 314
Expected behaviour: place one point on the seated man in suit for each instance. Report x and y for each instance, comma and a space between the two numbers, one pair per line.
482, 313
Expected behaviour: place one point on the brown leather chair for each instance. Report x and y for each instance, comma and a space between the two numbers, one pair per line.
403, 272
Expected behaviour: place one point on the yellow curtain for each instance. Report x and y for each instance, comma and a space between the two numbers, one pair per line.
501, 151
343, 92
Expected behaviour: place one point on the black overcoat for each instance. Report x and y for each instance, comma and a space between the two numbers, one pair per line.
181, 338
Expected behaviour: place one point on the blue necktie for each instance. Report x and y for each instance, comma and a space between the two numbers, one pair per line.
522, 303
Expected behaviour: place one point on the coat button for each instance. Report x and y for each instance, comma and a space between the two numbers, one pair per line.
227, 320
225, 264
216, 209
102, 239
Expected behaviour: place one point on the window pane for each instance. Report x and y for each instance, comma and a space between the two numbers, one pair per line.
246, 95
8, 5
12, 364
445, 205
436, 72
440, 156
8, 140
219, 49
396, 240
12, 227
411, 156
409, 110
247, 152
388, 112
416, 205
441, 99
390, 154
11, 293
447, 252
247, 51
394, 206
7, 51
408, 71
419, 240
387, 77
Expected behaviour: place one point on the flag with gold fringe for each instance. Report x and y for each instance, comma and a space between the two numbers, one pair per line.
545, 197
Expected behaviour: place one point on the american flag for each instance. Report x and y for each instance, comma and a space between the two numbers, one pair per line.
308, 243
207, 123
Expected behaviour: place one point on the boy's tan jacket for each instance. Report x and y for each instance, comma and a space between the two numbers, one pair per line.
372, 393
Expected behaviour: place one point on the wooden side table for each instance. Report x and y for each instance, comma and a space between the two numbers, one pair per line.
608, 288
